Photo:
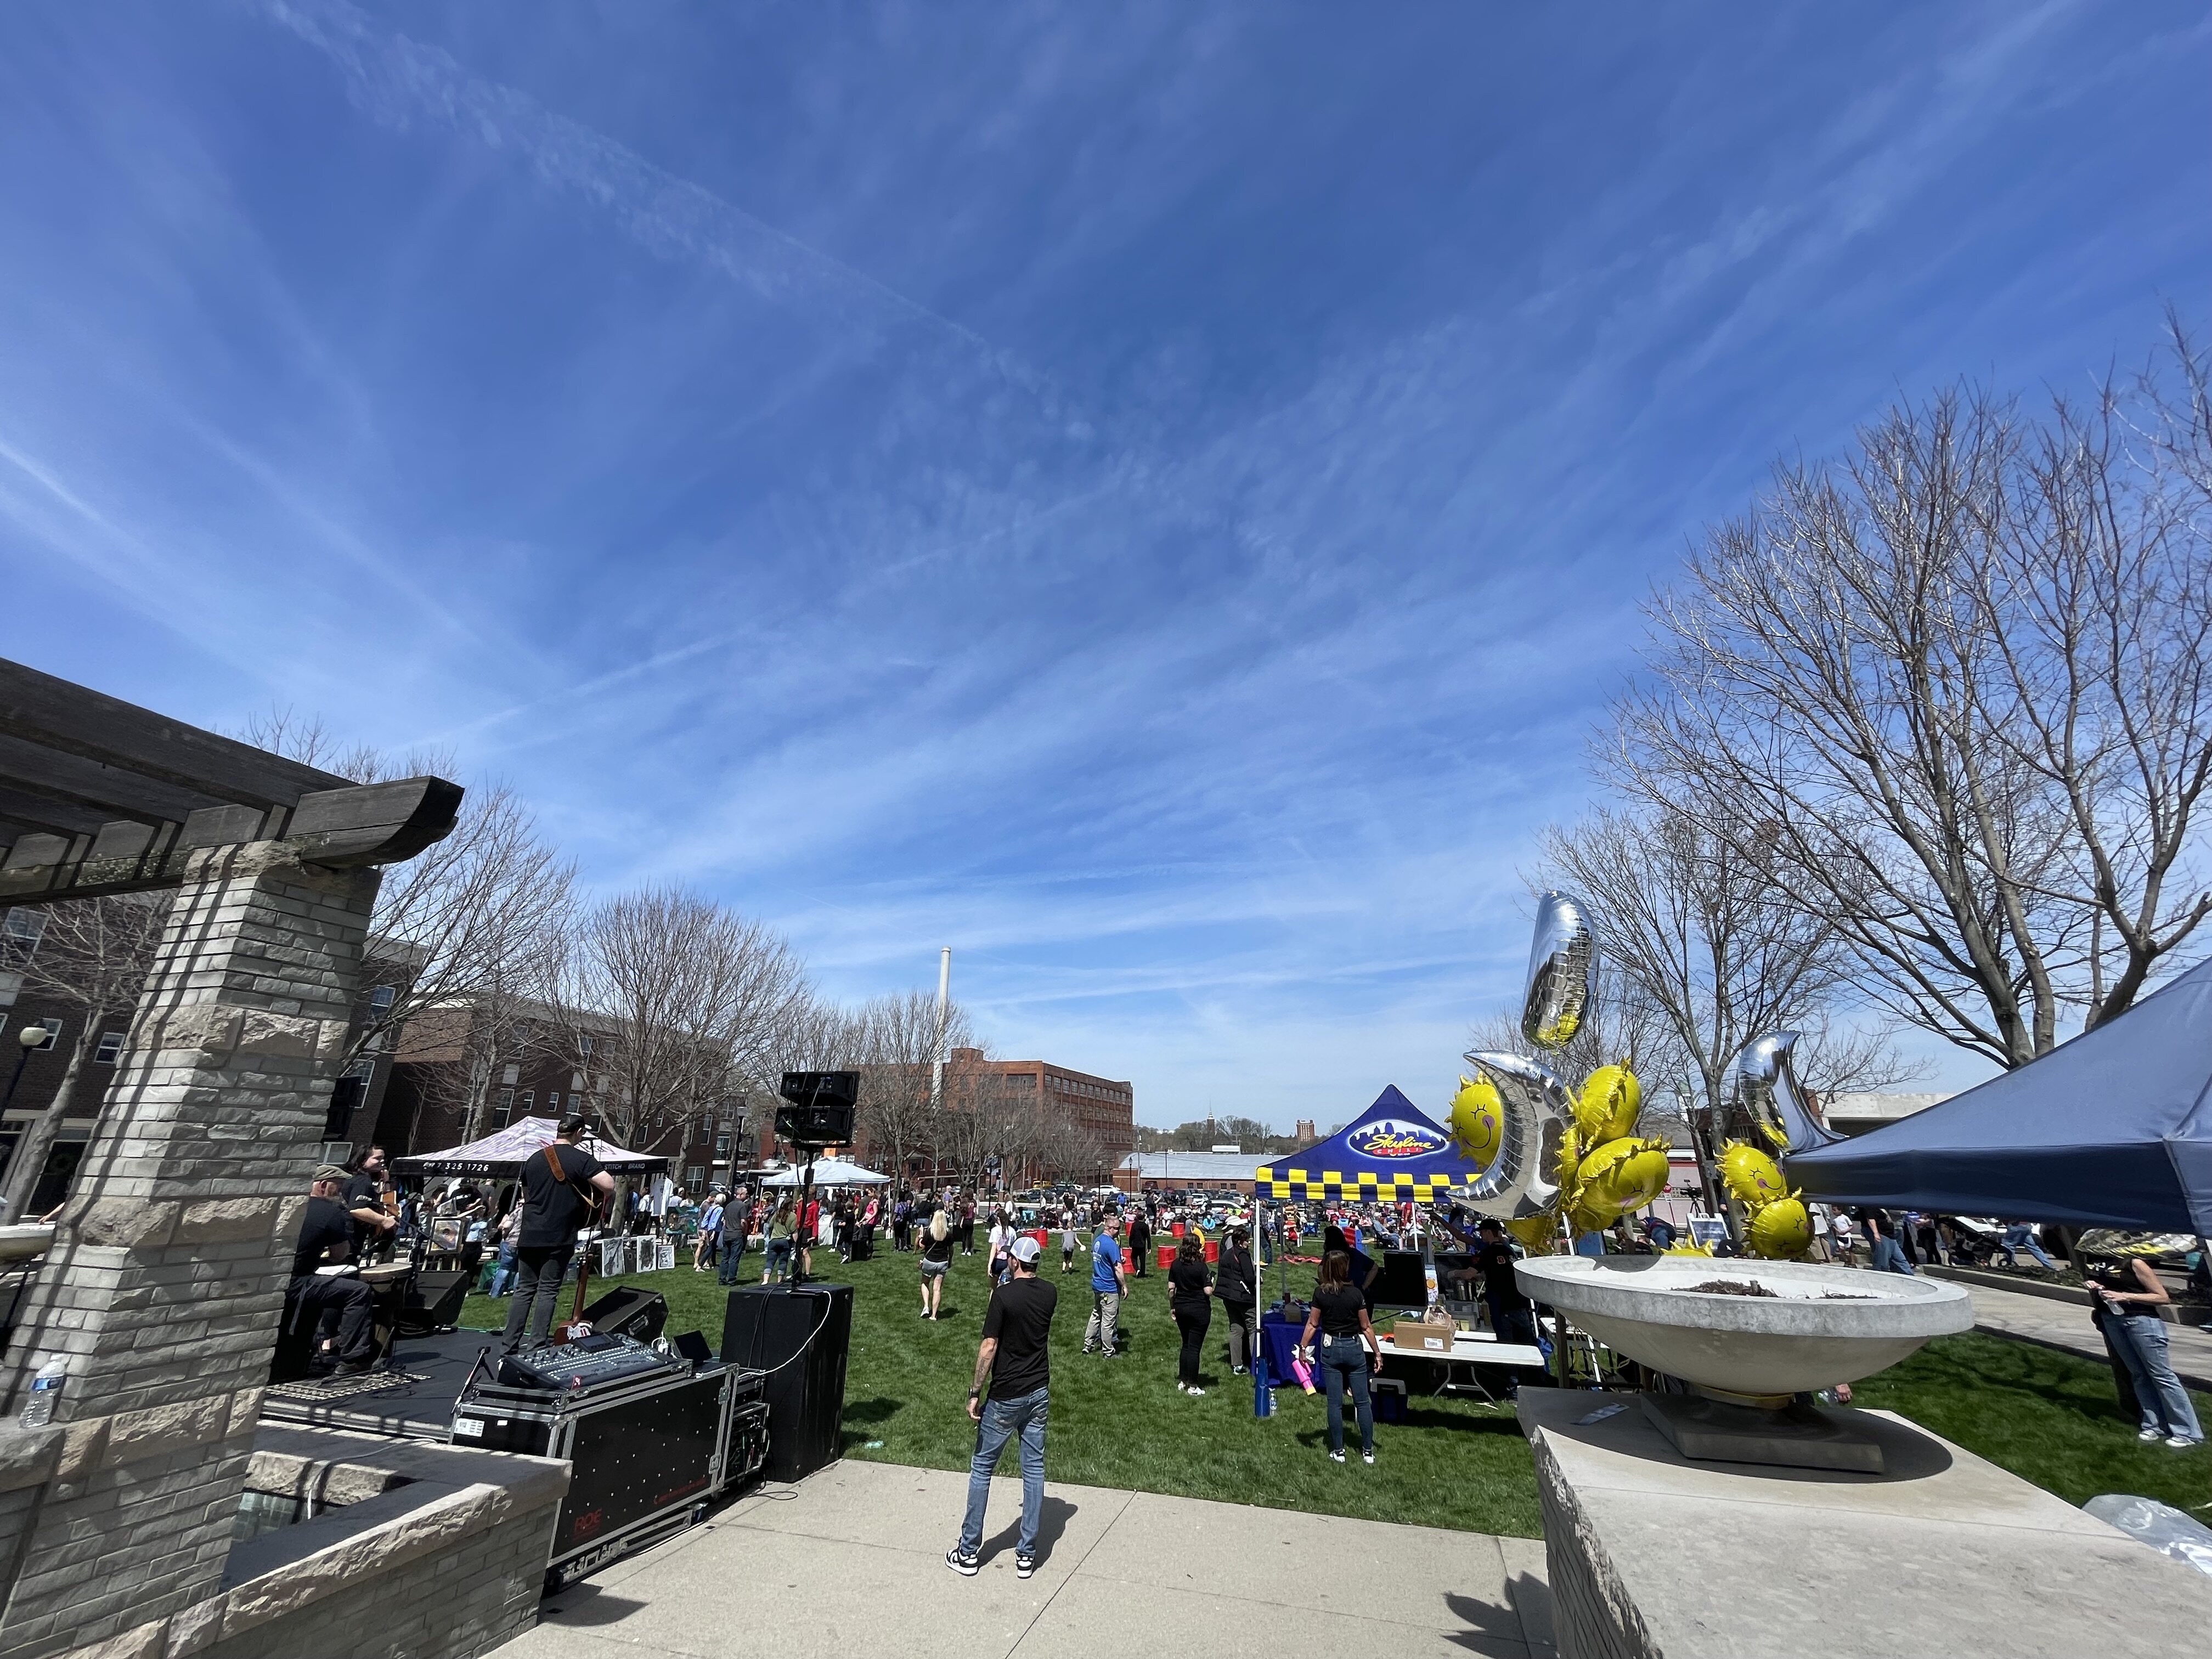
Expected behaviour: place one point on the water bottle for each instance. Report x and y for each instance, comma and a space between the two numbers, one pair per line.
45, 1388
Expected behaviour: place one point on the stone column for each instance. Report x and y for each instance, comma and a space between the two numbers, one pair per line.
166, 1278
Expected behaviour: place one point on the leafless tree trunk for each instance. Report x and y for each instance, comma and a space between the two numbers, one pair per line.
903, 1040
1952, 691
93, 955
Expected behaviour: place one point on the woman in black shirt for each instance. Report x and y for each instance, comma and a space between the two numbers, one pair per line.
1190, 1288
1340, 1313
1236, 1287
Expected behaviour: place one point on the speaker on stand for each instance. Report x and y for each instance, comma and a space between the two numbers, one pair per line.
799, 1336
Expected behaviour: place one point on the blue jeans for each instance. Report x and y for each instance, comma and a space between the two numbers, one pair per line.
1343, 1361
2140, 1342
503, 1275
1024, 1414
778, 1251
731, 1258
2023, 1239
1888, 1257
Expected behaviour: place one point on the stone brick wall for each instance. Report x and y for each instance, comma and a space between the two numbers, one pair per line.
167, 1276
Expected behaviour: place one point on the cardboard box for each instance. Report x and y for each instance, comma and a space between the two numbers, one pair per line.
1420, 1335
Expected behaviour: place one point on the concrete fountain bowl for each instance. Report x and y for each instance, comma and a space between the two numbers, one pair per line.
1820, 1326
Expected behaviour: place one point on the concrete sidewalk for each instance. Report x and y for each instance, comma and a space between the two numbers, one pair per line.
2065, 1326
851, 1562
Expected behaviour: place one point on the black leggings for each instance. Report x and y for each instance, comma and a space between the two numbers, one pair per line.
1191, 1320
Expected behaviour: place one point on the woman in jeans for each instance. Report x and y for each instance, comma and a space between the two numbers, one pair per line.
2130, 1293
781, 1226
1236, 1288
1190, 1288
1339, 1312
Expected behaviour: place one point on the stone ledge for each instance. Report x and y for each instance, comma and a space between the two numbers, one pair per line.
28, 1457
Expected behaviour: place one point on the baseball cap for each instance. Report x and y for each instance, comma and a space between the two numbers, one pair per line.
1025, 1248
331, 1172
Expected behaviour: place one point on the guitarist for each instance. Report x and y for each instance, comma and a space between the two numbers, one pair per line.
562, 1185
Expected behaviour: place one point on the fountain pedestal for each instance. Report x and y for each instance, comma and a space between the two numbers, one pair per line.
1650, 1552
1791, 1436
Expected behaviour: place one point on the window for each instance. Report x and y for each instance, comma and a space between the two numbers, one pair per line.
381, 998
722, 1145
24, 926
528, 1101
576, 1081
502, 1108
584, 1047
110, 1050
694, 1176
553, 1103
52, 1027
511, 1075
11, 986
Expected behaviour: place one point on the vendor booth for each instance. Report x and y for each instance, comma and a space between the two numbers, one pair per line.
500, 1155
1392, 1152
830, 1172
2112, 1129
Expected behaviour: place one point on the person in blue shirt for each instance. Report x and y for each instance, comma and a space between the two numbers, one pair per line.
1109, 1283
710, 1232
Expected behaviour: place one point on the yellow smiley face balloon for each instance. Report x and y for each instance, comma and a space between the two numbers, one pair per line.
1607, 1108
1752, 1176
1477, 1120
1780, 1230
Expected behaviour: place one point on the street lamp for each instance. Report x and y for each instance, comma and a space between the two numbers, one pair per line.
32, 1037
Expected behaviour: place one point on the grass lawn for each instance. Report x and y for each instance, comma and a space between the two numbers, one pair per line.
2048, 1416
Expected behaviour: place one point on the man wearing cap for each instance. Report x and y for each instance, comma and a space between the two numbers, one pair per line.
326, 1239
1013, 1359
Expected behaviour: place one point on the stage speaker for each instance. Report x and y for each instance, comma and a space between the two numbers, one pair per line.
1404, 1283
435, 1303
628, 1311
798, 1335
817, 1109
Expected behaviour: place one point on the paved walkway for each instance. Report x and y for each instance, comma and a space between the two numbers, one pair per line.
2064, 1325
850, 1562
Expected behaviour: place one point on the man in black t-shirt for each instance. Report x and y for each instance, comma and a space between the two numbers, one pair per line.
326, 1237
1510, 1316
561, 1184
1014, 1359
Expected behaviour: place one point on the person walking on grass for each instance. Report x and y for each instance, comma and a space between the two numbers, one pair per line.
1067, 1238
2021, 1237
1109, 1283
937, 1238
1001, 1240
1339, 1314
710, 1231
1140, 1240
1235, 1287
776, 1251
1014, 1360
737, 1227
1190, 1299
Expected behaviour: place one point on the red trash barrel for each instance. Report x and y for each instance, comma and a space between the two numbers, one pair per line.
1166, 1255
1212, 1251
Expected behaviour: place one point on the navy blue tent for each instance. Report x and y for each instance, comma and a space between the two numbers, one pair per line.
2112, 1129
1394, 1150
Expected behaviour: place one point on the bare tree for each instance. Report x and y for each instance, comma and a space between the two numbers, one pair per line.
1955, 690
91, 955
1698, 935
674, 1003
903, 1039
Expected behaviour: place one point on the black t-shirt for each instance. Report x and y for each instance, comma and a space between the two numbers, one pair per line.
1187, 1282
1340, 1307
1496, 1262
554, 1208
360, 1194
1020, 1317
326, 1226
940, 1250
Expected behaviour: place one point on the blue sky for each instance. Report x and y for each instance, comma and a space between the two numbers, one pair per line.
1154, 497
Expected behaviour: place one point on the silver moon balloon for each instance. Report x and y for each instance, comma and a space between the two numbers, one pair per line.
1558, 973
1766, 1087
1537, 1110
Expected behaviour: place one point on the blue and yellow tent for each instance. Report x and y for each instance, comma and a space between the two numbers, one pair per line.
1394, 1151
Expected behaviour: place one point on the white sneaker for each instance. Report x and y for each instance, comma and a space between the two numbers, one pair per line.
1368, 1458
1194, 1393
2148, 1435
2174, 1440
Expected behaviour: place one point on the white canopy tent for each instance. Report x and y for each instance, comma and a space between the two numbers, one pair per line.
830, 1172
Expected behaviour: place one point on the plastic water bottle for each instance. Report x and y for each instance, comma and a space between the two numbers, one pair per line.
45, 1388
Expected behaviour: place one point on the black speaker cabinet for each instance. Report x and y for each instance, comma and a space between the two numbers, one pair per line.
818, 1108
798, 1335
434, 1301
629, 1311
